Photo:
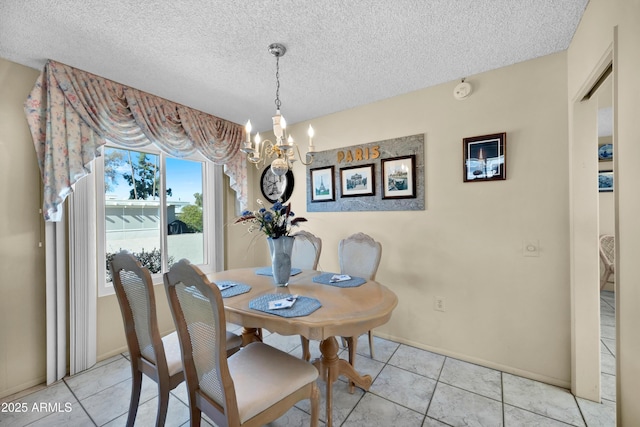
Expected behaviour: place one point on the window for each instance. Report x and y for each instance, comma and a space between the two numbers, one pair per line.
155, 206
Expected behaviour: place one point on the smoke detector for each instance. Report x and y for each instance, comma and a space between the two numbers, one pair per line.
462, 90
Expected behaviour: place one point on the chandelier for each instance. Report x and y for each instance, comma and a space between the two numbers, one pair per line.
284, 148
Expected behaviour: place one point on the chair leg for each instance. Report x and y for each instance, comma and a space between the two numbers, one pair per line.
315, 404
306, 355
195, 417
371, 344
605, 278
163, 403
136, 385
195, 414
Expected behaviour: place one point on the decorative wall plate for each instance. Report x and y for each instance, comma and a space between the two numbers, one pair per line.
275, 187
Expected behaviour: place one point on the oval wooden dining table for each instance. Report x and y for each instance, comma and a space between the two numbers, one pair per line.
345, 312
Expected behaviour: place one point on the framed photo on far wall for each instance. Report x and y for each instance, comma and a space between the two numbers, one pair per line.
484, 157
322, 188
605, 152
399, 177
605, 181
357, 181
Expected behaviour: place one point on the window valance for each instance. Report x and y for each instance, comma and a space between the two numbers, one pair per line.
71, 113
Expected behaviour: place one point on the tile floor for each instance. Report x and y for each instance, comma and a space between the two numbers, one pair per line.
411, 387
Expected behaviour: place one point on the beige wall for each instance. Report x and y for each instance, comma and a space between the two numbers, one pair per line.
22, 290
502, 309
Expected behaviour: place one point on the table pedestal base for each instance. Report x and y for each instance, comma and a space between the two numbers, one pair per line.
330, 367
250, 335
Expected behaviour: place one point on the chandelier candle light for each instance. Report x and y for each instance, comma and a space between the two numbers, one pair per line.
283, 149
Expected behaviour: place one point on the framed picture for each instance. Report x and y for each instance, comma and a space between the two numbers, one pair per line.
605, 152
357, 181
399, 177
322, 189
605, 181
484, 157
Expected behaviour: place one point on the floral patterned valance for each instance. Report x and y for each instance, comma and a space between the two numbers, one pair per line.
71, 113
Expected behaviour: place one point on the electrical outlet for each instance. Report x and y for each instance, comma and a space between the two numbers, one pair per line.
438, 303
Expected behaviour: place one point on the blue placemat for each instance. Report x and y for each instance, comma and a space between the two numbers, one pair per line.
266, 271
302, 307
325, 279
239, 288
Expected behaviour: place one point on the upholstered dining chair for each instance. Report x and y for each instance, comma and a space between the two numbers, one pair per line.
305, 255
254, 386
157, 357
306, 251
607, 255
359, 255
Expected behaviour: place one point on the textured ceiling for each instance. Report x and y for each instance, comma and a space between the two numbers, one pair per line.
212, 55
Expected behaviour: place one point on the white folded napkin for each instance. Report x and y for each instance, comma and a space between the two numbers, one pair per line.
224, 286
283, 303
339, 278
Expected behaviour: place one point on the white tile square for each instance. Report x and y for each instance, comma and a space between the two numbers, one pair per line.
419, 361
382, 349
405, 388
111, 403
543, 399
95, 380
343, 401
374, 411
71, 416
457, 407
598, 414
516, 417
477, 379
56, 393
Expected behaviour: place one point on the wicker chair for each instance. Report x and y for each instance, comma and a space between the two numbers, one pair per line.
607, 255
156, 357
254, 386
359, 256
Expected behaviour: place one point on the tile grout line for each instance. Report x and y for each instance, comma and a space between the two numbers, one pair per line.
80, 402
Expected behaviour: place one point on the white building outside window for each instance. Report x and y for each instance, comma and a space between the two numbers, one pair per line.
159, 208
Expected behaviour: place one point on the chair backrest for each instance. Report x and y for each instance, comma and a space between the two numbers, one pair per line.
134, 290
198, 312
607, 249
359, 256
306, 251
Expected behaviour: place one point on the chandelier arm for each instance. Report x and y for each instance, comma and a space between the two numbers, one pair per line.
310, 155
265, 150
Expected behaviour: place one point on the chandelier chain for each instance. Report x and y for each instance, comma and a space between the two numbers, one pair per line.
277, 101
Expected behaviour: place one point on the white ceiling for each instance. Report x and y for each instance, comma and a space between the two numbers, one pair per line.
212, 55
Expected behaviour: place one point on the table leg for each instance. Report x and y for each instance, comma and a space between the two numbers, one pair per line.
250, 335
331, 367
